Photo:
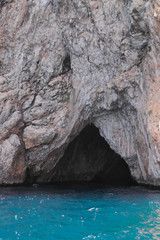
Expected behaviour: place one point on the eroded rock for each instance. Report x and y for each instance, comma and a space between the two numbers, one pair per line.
12, 164
64, 64
34, 136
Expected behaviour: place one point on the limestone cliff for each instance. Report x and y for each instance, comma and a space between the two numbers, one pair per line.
65, 64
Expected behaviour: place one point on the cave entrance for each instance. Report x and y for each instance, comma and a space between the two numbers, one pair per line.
90, 158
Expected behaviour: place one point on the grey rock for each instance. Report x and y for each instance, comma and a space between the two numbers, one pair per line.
65, 64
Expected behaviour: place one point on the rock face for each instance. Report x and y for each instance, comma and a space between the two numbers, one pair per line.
65, 64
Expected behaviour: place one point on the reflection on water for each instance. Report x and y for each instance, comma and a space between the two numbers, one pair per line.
152, 222
79, 212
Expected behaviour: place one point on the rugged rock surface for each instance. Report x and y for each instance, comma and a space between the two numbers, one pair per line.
64, 64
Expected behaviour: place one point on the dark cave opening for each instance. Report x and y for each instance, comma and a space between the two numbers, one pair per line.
66, 66
89, 158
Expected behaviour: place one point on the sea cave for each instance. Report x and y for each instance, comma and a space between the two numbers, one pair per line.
89, 158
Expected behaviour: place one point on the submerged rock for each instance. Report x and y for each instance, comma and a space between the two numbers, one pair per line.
66, 64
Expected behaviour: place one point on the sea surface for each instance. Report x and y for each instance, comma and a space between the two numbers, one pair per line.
79, 212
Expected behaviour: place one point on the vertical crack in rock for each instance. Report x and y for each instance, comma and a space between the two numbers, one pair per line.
66, 66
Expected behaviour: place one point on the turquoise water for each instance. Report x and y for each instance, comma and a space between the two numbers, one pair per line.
74, 213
